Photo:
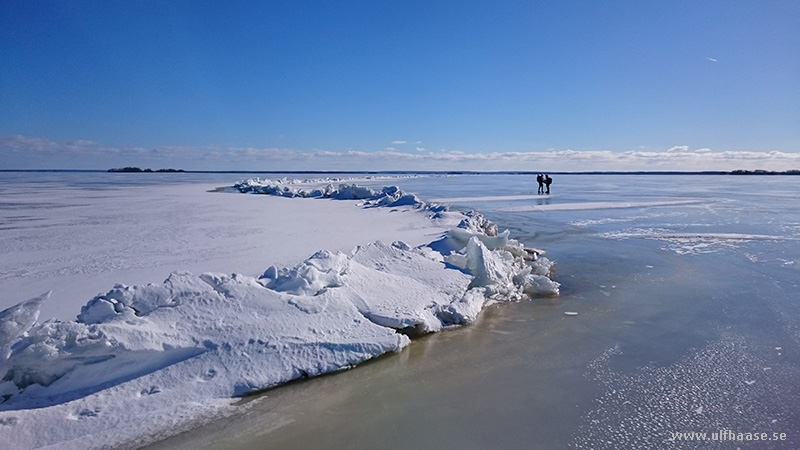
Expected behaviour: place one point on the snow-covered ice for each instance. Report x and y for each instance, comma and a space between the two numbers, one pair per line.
144, 361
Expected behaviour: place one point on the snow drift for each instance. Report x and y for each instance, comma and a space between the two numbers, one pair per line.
201, 339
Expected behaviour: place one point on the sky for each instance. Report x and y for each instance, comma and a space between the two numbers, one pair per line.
411, 85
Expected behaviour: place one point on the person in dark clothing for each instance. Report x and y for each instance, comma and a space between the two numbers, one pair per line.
540, 180
547, 182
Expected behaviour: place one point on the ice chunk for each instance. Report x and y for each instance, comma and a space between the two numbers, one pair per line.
402, 288
484, 265
122, 300
535, 281
463, 236
352, 192
100, 309
321, 271
20, 318
540, 285
466, 309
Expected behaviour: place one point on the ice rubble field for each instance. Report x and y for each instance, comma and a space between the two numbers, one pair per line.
142, 362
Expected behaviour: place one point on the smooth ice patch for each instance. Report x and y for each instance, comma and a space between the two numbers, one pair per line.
576, 206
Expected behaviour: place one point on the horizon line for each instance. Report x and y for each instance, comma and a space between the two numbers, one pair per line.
432, 172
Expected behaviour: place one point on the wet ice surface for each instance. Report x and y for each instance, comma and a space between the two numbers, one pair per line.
688, 321
715, 282
705, 363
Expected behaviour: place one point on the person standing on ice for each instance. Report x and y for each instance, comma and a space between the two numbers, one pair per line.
540, 180
547, 182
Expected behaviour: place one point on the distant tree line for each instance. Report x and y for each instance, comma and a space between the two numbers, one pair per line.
138, 169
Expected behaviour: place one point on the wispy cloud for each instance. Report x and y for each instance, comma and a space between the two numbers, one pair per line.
399, 142
711, 59
19, 142
563, 160
678, 149
32, 152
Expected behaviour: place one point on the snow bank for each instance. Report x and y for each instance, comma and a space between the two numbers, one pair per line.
161, 356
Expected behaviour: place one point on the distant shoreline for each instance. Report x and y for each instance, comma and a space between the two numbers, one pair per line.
414, 172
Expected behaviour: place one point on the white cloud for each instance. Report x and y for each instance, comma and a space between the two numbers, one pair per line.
678, 148
21, 152
19, 142
399, 142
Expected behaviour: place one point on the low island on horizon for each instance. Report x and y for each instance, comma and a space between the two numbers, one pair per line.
138, 169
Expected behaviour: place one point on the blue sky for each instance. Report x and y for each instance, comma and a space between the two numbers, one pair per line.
375, 85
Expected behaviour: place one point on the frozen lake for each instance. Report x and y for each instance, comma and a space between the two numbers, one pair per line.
684, 288
688, 321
